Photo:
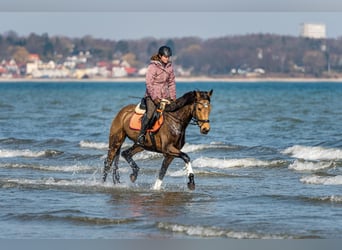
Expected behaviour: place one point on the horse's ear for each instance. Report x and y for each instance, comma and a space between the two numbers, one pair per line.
210, 92
198, 95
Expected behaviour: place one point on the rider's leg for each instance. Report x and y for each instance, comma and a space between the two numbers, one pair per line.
145, 123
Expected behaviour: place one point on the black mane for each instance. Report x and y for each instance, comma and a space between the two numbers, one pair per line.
186, 99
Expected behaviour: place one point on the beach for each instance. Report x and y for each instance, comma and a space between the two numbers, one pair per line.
181, 79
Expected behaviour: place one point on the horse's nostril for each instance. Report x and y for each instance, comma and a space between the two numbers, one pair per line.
205, 130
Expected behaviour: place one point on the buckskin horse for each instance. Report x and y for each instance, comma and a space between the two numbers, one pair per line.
193, 107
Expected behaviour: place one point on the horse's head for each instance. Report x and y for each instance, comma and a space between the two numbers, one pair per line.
202, 110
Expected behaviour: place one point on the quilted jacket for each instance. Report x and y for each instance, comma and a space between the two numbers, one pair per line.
160, 80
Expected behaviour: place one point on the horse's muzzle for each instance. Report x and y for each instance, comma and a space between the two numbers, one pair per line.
205, 128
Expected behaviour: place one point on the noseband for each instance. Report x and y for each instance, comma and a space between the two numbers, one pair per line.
195, 120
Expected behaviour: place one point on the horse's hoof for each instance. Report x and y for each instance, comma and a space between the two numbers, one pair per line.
191, 186
133, 178
191, 183
104, 177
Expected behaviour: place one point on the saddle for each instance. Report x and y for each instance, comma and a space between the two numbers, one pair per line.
135, 121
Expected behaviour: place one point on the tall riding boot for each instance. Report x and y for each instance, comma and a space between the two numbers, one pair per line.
144, 127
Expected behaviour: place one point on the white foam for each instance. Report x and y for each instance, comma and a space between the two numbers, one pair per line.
232, 163
332, 198
313, 153
95, 145
177, 173
206, 231
72, 168
187, 148
4, 153
310, 166
144, 155
322, 180
51, 182
335, 198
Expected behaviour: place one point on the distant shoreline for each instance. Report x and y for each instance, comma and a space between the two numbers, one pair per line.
180, 79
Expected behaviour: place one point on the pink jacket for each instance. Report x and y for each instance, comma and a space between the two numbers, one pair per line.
160, 80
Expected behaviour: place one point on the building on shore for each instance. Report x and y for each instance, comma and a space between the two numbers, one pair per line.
313, 30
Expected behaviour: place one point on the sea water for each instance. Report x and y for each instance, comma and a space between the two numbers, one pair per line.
270, 167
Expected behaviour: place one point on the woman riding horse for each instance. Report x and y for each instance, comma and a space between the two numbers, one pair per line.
168, 140
160, 84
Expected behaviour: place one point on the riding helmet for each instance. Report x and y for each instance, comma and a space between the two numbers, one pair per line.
165, 51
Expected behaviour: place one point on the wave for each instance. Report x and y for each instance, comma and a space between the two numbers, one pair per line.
313, 153
94, 145
317, 199
208, 231
5, 106
16, 141
75, 185
182, 173
322, 180
5, 153
72, 168
234, 163
300, 165
186, 148
332, 198
71, 219
145, 155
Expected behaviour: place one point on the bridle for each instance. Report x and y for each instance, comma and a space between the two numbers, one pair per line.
194, 119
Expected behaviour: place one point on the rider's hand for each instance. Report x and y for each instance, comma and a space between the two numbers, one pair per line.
156, 101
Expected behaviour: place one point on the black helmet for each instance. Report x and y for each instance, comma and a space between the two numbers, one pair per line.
165, 51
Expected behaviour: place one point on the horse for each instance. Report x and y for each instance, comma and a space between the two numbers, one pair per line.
193, 107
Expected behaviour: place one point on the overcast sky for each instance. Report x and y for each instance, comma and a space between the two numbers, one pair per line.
117, 19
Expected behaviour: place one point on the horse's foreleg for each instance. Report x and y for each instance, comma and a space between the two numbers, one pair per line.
166, 162
189, 171
128, 154
191, 176
172, 151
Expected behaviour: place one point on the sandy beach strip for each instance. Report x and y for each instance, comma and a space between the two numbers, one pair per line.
178, 79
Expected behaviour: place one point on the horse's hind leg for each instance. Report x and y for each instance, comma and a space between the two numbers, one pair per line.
116, 175
106, 168
128, 154
113, 156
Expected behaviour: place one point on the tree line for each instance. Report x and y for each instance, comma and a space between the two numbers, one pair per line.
276, 54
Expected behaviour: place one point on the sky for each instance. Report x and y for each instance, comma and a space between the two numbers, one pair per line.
136, 19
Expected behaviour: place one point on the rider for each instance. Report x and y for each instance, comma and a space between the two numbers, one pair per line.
160, 84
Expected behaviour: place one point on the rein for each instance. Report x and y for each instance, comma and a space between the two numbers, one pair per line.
194, 120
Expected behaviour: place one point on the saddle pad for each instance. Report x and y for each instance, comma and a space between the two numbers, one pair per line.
138, 110
135, 123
